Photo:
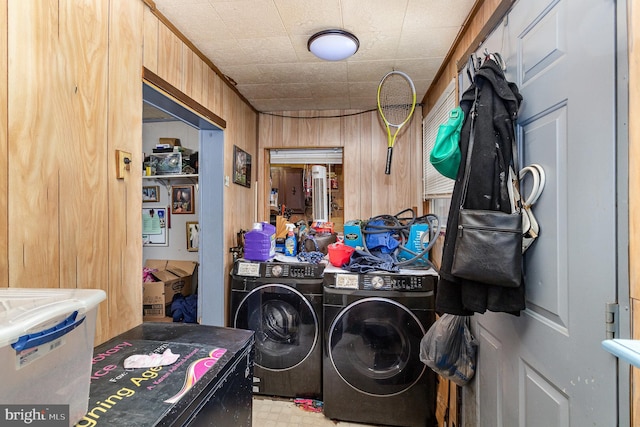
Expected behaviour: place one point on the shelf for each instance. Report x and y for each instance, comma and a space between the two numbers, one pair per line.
170, 177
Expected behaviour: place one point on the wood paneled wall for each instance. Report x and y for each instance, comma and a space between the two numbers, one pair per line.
74, 81
173, 58
73, 97
367, 190
4, 147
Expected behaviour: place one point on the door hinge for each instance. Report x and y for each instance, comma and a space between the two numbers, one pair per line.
611, 320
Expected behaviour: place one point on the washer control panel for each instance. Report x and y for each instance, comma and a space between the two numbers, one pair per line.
293, 270
395, 282
278, 270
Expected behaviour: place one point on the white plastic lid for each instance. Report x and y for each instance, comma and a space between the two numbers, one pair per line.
29, 310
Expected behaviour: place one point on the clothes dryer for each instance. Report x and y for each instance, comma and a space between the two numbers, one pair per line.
374, 323
282, 303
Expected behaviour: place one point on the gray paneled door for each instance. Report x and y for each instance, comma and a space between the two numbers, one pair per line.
546, 368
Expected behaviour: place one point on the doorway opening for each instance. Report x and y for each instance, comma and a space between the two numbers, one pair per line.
296, 177
208, 207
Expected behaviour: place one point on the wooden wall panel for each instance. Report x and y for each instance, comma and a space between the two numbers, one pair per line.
70, 61
368, 191
82, 166
34, 142
350, 128
212, 93
170, 58
4, 175
125, 197
150, 53
193, 68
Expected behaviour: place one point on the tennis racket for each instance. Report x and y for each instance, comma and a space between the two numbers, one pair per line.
396, 102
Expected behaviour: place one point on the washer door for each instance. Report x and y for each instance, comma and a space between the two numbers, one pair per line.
374, 346
285, 324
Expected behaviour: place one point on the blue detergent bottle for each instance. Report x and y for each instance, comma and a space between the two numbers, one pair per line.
291, 242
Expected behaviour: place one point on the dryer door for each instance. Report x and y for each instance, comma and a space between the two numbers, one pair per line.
374, 345
285, 324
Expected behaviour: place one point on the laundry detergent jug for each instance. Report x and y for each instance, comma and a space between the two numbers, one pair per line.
260, 242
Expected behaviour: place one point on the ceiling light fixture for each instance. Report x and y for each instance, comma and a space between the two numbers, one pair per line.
333, 45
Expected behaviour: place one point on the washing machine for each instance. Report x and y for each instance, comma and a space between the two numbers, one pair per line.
282, 303
374, 323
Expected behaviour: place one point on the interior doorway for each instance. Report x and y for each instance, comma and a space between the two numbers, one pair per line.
209, 204
292, 188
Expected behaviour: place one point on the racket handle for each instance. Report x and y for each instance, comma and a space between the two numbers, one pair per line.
387, 169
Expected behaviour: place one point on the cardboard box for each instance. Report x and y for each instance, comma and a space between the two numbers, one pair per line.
174, 142
173, 277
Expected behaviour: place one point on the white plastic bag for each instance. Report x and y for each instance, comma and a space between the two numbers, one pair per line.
449, 349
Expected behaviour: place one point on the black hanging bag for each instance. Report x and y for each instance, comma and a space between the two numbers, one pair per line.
488, 246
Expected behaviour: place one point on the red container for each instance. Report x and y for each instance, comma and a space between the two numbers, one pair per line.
339, 254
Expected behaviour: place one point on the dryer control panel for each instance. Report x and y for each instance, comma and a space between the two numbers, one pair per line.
382, 281
396, 282
278, 270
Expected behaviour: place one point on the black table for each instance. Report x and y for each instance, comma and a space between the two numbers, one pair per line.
209, 385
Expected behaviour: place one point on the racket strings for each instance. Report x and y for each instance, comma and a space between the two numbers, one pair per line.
396, 99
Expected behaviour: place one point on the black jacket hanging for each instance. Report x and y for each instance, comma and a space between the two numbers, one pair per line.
497, 108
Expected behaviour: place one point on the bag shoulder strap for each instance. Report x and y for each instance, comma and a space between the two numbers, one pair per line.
473, 113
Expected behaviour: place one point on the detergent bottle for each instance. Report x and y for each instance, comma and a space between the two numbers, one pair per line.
290, 243
260, 242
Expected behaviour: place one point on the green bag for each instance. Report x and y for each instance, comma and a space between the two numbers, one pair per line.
445, 155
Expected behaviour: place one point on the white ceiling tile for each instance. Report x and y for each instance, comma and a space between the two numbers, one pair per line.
423, 14
251, 18
328, 90
266, 50
307, 18
373, 15
361, 71
262, 45
415, 45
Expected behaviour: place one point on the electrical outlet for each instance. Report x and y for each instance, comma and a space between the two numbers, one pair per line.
123, 163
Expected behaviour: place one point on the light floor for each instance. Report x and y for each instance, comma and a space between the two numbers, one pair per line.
280, 412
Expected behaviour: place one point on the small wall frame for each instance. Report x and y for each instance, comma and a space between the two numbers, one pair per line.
150, 193
241, 167
193, 236
182, 199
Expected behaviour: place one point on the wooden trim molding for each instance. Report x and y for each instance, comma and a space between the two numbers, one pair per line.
176, 93
226, 79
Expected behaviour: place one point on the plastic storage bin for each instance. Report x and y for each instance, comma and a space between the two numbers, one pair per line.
46, 346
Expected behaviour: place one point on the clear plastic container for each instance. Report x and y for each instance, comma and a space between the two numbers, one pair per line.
46, 345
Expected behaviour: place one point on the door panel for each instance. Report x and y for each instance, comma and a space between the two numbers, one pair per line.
546, 367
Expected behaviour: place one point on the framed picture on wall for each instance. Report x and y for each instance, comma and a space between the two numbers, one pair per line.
154, 226
193, 236
241, 167
182, 199
151, 193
